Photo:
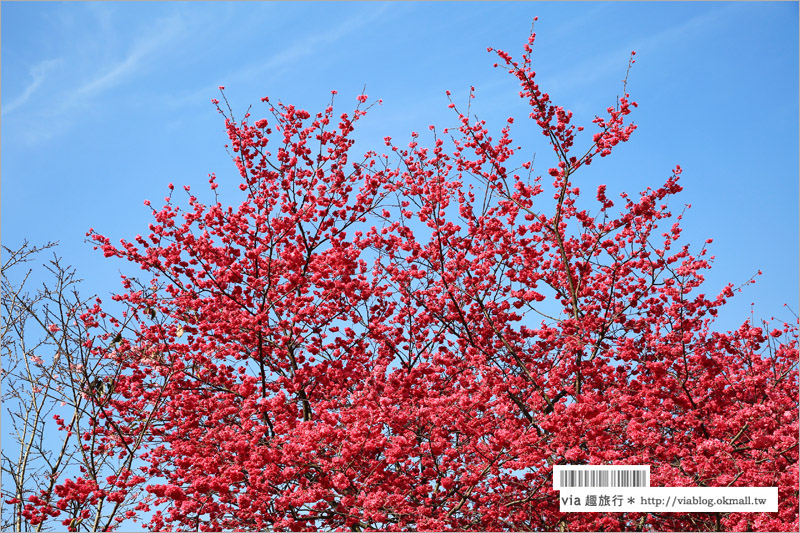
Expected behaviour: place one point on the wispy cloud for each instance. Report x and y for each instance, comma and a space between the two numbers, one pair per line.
146, 46
38, 72
311, 44
305, 46
93, 76
90, 77
595, 68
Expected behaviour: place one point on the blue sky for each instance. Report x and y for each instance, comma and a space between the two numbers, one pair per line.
104, 104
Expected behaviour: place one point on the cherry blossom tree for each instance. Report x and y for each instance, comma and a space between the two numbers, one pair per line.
412, 340
53, 379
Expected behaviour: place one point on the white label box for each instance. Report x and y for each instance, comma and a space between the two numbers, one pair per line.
669, 499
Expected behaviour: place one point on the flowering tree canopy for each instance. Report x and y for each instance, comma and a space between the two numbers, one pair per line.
413, 340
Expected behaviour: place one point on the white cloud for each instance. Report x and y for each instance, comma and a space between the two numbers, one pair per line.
310, 45
38, 72
306, 45
595, 68
148, 44
85, 78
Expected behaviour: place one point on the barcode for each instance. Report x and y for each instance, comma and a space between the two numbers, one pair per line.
603, 478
